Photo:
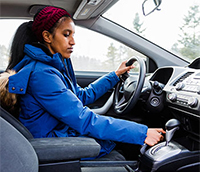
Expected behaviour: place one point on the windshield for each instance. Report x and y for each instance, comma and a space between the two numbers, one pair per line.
175, 26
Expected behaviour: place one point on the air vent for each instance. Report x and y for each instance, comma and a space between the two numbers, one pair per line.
183, 78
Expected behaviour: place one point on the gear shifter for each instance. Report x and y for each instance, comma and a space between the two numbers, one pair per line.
171, 126
169, 155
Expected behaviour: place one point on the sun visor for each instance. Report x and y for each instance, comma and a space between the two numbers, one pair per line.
90, 8
34, 9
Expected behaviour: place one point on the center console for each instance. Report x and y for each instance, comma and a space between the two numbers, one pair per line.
169, 156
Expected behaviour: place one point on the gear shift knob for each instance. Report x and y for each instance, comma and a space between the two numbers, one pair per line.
171, 126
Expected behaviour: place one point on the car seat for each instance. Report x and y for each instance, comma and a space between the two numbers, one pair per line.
19, 150
17, 154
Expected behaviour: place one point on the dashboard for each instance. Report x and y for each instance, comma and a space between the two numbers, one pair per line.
182, 94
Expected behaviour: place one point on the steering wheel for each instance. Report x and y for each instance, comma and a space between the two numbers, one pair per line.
127, 91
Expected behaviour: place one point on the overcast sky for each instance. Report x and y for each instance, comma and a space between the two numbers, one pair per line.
159, 25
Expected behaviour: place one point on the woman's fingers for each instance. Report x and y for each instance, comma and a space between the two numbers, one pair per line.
154, 135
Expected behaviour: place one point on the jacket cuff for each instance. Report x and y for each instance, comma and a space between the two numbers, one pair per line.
116, 78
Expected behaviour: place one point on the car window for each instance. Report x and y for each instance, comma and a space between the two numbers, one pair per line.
7, 31
175, 26
92, 52
96, 52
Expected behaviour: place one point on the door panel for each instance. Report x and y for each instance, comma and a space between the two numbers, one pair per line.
85, 78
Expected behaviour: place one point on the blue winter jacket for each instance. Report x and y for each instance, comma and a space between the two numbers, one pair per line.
53, 105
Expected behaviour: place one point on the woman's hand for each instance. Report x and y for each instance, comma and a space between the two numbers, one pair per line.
154, 136
123, 68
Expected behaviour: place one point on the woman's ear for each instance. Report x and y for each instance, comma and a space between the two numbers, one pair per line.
46, 36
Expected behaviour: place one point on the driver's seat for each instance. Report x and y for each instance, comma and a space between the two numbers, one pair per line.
17, 154
51, 152
21, 152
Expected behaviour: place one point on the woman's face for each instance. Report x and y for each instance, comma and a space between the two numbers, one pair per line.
62, 38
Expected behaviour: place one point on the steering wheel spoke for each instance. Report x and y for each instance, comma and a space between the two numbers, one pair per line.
121, 89
121, 104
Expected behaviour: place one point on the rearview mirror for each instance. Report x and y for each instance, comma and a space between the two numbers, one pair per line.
149, 6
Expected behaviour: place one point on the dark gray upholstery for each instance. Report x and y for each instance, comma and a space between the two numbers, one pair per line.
17, 154
20, 152
55, 149
15, 123
58, 149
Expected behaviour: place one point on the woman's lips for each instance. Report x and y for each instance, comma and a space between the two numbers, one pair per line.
70, 50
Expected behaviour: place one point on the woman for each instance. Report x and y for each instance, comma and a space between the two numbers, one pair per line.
52, 104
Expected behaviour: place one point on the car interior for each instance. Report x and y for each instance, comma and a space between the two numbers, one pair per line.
163, 93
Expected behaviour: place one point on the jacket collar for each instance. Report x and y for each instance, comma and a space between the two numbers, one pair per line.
33, 54
42, 54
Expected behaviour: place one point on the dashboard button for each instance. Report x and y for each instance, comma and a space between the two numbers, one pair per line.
192, 102
172, 97
180, 86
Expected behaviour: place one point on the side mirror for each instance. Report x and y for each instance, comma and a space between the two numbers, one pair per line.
149, 6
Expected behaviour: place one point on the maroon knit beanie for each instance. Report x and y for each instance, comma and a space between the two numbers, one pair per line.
46, 19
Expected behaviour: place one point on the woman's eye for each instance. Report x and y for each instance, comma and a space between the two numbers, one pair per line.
66, 35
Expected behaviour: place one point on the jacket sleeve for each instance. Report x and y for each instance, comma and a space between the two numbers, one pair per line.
50, 91
96, 89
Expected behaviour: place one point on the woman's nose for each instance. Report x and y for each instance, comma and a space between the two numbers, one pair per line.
72, 41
